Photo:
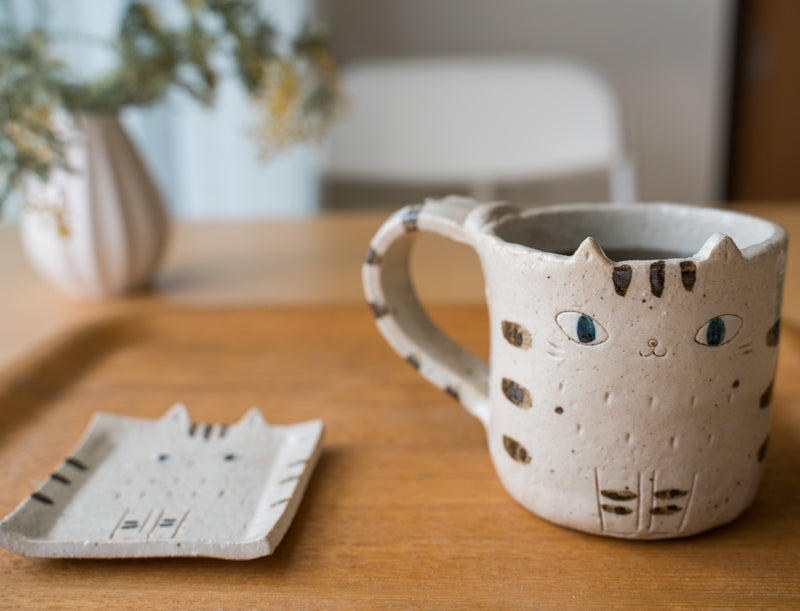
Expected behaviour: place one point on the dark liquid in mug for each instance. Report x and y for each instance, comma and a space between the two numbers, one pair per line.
637, 254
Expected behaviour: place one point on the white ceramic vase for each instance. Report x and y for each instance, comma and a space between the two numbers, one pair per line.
97, 231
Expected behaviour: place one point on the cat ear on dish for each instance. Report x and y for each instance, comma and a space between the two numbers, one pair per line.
253, 418
719, 247
590, 251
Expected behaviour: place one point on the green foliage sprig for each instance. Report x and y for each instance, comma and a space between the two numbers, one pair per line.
29, 143
299, 93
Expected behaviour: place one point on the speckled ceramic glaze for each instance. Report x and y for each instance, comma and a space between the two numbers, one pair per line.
633, 349
139, 488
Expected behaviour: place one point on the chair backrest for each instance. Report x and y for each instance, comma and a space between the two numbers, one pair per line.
478, 121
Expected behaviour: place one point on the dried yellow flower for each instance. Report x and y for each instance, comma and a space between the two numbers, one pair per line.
28, 144
303, 98
54, 212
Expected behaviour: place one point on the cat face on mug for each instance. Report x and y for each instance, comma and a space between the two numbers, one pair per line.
650, 314
642, 364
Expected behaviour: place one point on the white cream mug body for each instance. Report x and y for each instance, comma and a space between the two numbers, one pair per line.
633, 349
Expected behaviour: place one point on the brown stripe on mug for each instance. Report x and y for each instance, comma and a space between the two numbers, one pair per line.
688, 274
766, 397
516, 450
619, 495
657, 278
619, 510
774, 333
665, 510
372, 258
622, 279
411, 216
516, 334
672, 493
379, 310
762, 451
516, 393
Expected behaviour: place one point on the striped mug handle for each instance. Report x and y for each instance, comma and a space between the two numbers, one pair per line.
400, 316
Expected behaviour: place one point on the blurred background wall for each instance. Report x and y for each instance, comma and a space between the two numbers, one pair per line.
708, 90
669, 60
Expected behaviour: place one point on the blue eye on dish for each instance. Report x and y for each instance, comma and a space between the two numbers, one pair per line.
582, 328
719, 330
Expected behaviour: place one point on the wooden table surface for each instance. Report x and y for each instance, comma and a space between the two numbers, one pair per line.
404, 509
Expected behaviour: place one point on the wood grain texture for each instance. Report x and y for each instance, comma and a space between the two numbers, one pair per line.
404, 509
290, 262
294, 262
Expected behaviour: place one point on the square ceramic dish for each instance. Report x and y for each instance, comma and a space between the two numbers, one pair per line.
169, 487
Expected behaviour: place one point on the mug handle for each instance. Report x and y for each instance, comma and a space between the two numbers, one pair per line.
400, 316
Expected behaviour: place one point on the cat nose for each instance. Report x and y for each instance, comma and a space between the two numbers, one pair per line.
654, 348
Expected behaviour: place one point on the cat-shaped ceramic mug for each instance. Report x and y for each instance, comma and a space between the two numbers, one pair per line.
633, 349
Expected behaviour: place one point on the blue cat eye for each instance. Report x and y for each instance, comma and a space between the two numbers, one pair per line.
582, 328
585, 330
719, 330
715, 333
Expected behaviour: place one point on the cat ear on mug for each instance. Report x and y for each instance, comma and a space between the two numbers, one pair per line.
590, 251
177, 415
720, 247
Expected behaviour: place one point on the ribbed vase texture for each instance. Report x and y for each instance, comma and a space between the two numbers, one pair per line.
99, 230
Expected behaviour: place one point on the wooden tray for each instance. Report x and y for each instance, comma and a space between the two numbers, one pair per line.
404, 508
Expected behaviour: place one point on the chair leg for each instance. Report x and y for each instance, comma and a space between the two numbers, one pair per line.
622, 182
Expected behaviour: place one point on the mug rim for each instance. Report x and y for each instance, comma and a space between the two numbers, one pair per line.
752, 235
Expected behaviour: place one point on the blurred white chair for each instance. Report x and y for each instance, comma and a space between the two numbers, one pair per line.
478, 122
